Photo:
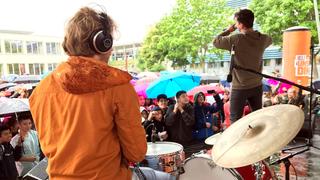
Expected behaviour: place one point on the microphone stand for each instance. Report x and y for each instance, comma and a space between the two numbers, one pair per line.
310, 127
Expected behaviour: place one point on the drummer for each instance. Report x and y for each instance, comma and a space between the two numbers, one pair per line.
155, 122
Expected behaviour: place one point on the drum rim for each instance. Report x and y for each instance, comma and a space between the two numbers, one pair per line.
165, 154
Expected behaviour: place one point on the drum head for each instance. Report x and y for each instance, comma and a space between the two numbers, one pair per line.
160, 148
204, 168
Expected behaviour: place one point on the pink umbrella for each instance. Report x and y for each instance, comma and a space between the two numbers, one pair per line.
282, 86
204, 89
146, 80
133, 82
141, 90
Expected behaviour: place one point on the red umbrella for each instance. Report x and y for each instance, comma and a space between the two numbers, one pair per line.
205, 88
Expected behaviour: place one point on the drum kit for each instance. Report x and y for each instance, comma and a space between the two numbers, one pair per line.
237, 153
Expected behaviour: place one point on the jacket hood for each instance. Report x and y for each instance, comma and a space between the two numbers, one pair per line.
84, 75
195, 98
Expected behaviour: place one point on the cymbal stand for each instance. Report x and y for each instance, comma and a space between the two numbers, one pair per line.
287, 162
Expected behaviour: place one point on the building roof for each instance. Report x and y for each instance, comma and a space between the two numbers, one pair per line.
238, 3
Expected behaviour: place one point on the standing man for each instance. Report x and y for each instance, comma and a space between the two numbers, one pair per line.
87, 112
249, 46
180, 120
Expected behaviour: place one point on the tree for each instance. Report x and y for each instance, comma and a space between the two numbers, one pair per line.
186, 33
274, 16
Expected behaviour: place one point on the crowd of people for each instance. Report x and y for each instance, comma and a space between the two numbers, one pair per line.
20, 147
183, 120
17, 93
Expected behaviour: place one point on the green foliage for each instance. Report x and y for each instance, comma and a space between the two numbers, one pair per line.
274, 16
184, 35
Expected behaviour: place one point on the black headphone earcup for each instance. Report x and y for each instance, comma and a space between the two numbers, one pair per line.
101, 42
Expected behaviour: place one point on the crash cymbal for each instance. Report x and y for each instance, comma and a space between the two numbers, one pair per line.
257, 136
212, 139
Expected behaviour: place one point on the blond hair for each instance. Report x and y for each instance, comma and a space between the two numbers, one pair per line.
79, 30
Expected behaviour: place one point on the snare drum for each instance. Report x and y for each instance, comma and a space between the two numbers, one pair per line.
164, 156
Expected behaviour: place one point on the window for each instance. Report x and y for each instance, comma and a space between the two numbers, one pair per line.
266, 62
16, 69
36, 69
278, 62
52, 66
221, 64
53, 48
34, 47
13, 46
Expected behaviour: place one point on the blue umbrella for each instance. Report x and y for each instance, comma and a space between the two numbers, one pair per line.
225, 83
170, 84
265, 86
9, 77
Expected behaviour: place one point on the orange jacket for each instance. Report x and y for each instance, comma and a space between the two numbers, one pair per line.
88, 120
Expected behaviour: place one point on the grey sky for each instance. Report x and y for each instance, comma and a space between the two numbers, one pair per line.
48, 17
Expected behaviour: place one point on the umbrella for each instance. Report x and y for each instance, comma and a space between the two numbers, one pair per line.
147, 74
146, 80
7, 85
172, 83
44, 75
204, 89
265, 86
12, 105
225, 83
9, 77
22, 86
316, 84
207, 78
282, 86
141, 90
28, 79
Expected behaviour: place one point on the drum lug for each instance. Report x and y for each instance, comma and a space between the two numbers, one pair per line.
212, 164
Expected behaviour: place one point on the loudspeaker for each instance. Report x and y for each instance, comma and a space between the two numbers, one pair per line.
100, 40
38, 172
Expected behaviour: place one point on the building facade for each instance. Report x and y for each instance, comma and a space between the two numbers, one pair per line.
25, 53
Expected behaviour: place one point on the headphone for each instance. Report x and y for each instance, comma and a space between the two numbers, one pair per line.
101, 41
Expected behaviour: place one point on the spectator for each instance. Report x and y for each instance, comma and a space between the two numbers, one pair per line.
144, 114
30, 144
8, 155
12, 123
163, 103
142, 100
179, 120
23, 93
155, 122
205, 125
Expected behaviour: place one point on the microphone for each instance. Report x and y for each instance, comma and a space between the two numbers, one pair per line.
154, 134
229, 77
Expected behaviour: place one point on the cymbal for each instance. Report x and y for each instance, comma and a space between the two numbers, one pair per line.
212, 139
257, 136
